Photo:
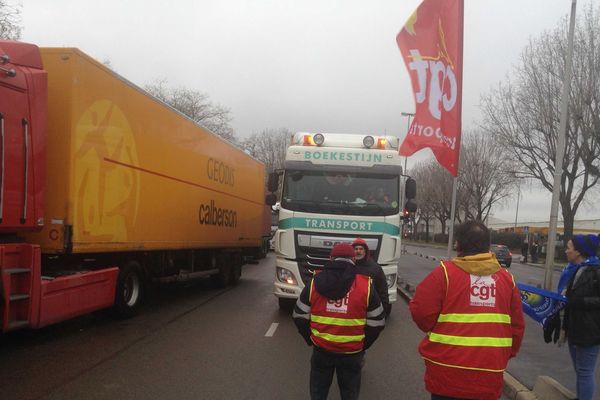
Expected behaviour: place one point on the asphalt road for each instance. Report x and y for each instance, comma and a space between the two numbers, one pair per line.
536, 357
197, 342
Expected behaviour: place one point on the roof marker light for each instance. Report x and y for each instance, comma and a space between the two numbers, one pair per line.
308, 140
319, 139
381, 143
368, 141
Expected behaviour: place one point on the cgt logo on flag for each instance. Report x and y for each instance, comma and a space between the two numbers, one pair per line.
431, 45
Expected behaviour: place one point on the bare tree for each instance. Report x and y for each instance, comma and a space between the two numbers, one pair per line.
523, 113
588, 87
425, 196
484, 180
108, 64
436, 188
10, 21
197, 106
269, 146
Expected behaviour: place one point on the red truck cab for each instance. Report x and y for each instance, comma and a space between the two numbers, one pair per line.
23, 86
27, 299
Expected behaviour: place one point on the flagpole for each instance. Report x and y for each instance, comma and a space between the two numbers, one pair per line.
452, 215
461, 25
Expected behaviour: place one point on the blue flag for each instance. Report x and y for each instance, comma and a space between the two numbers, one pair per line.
540, 304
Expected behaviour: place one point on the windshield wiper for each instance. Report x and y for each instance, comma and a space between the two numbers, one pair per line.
303, 202
380, 209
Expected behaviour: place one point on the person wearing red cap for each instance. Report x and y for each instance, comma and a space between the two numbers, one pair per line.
338, 313
581, 323
367, 266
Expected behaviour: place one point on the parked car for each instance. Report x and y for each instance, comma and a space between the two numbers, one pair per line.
503, 254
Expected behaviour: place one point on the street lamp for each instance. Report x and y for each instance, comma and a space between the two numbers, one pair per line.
518, 177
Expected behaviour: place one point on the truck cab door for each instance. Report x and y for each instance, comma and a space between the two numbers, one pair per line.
22, 137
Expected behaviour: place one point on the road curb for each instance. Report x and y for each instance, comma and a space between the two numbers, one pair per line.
545, 387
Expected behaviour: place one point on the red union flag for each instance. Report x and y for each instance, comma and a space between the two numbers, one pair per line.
431, 45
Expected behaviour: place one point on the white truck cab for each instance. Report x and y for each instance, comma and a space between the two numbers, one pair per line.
337, 187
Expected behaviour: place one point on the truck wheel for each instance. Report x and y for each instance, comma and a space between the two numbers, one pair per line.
236, 270
130, 287
264, 250
223, 278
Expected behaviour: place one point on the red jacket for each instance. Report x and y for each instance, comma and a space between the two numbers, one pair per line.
471, 310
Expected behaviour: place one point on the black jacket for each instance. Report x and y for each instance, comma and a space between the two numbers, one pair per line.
334, 282
582, 316
368, 267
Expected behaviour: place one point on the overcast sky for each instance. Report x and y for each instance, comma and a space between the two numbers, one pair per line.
305, 65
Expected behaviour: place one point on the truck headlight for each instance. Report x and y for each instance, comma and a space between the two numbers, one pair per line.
286, 276
391, 279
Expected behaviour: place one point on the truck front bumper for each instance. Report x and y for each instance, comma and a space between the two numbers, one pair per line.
392, 291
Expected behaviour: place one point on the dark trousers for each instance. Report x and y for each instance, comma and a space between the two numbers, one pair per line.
347, 368
438, 397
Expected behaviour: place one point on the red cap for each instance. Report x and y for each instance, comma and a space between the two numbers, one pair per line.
360, 242
344, 250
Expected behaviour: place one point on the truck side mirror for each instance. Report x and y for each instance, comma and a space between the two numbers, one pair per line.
410, 189
411, 206
270, 199
273, 182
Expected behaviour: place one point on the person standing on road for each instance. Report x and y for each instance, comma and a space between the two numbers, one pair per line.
340, 315
533, 250
367, 266
581, 323
471, 310
524, 250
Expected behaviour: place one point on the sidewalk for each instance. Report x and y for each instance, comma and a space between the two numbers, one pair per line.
516, 256
544, 387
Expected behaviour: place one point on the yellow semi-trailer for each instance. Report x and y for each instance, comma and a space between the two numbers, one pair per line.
126, 172
132, 183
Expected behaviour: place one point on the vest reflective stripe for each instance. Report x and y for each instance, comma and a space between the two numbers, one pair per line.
338, 338
446, 274
474, 318
338, 321
470, 340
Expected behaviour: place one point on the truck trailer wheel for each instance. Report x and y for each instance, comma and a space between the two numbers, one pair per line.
129, 291
263, 250
236, 270
223, 278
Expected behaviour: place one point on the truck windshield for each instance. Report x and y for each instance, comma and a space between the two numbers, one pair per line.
340, 193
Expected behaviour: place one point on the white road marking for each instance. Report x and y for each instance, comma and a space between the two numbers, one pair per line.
272, 329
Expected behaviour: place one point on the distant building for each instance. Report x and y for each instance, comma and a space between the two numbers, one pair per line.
583, 226
538, 229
